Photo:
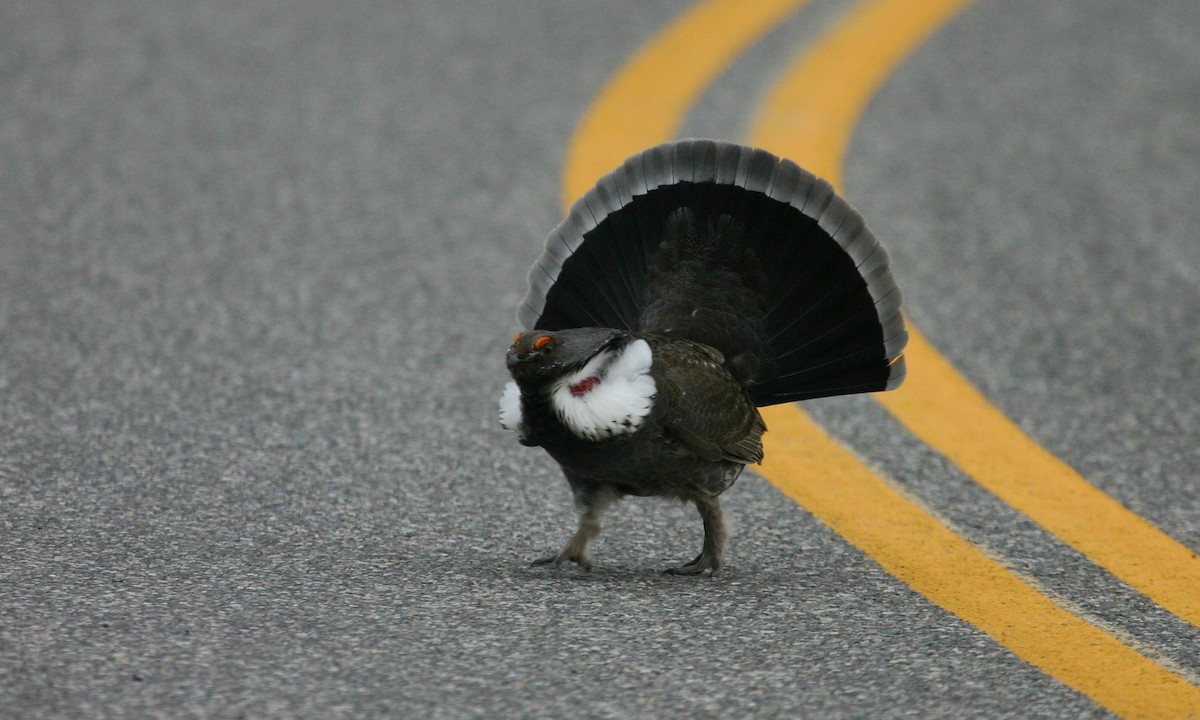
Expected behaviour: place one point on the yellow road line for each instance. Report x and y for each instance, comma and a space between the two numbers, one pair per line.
815, 470
938, 405
816, 102
644, 103
809, 118
908, 542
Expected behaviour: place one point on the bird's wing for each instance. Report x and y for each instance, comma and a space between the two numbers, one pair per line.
704, 407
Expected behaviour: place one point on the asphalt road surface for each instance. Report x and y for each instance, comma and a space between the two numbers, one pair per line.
258, 269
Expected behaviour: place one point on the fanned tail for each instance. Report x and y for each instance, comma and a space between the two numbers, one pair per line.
736, 248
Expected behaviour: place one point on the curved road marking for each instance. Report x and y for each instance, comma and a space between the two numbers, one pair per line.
904, 538
993, 451
910, 543
809, 117
665, 76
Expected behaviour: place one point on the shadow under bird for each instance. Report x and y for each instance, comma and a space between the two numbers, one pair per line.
694, 284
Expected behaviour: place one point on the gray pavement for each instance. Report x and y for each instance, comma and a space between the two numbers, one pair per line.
258, 264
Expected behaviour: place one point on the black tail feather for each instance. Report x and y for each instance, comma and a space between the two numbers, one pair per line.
736, 248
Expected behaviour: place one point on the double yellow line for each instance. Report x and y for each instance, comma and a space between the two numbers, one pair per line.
808, 117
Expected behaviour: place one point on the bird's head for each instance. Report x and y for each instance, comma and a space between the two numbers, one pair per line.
539, 356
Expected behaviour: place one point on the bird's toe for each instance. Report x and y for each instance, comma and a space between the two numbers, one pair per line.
582, 561
695, 567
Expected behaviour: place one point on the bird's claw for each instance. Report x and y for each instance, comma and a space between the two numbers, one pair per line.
582, 561
697, 566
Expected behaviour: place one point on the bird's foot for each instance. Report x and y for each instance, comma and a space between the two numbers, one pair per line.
567, 554
702, 562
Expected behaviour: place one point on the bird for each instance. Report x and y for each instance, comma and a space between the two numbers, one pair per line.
695, 283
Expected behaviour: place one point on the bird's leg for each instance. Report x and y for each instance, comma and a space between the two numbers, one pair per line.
714, 540
590, 507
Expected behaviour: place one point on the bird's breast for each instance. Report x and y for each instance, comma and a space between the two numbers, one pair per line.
611, 395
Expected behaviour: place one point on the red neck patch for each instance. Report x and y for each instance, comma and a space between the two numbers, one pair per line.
584, 386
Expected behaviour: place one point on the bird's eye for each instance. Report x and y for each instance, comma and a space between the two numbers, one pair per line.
544, 344
516, 338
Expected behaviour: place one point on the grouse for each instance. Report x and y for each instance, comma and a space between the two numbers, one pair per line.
698, 281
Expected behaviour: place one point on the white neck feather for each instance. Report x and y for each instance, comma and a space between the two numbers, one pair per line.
611, 395
510, 407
